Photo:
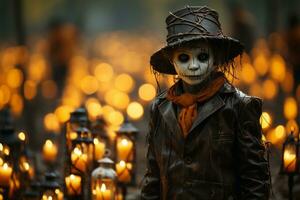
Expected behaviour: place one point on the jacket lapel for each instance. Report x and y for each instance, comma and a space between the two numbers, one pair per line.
207, 109
167, 111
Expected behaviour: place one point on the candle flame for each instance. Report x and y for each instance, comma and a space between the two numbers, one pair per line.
122, 163
1, 147
77, 151
96, 141
103, 187
292, 128
124, 142
5, 166
49, 143
22, 136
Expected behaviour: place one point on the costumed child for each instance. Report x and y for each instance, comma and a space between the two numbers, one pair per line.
205, 137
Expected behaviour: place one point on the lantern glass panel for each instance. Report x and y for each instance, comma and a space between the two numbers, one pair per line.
80, 157
100, 147
125, 147
290, 158
103, 189
124, 171
73, 185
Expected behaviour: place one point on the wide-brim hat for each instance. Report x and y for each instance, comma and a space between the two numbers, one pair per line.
186, 27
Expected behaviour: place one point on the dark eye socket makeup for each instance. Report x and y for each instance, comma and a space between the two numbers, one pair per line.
202, 57
183, 57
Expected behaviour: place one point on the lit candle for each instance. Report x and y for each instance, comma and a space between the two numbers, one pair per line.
124, 149
73, 184
123, 171
99, 149
102, 193
5, 174
49, 151
79, 159
60, 194
289, 161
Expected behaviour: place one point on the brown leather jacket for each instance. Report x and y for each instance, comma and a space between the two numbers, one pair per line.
222, 158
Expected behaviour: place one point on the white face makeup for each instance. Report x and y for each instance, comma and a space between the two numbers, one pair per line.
193, 65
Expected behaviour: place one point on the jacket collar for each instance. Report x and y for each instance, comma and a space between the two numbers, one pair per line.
207, 109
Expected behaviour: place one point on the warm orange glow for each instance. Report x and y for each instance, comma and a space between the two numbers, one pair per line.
51, 122
261, 64
123, 171
256, 90
49, 89
5, 94
72, 97
290, 108
248, 74
16, 104
278, 68
269, 89
22, 136
50, 151
89, 85
73, 184
99, 149
59, 194
29, 89
288, 83
104, 72
135, 110
5, 174
37, 68
63, 113
292, 126
106, 110
289, 158
124, 83
265, 120
14, 78
79, 159
93, 107
115, 118
147, 92
117, 99
280, 132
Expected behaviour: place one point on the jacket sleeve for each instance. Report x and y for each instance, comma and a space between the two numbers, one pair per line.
253, 170
151, 181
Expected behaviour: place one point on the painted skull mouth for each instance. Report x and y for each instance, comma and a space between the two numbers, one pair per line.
193, 77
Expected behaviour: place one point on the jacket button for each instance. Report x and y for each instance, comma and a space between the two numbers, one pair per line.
188, 160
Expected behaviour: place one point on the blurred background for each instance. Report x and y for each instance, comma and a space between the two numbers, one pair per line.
59, 55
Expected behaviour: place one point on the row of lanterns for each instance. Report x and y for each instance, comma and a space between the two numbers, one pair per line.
89, 170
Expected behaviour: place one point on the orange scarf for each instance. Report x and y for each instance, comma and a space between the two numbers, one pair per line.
189, 101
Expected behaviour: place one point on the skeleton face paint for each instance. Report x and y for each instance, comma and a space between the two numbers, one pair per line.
193, 65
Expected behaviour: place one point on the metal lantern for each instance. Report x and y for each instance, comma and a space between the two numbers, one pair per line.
290, 166
78, 118
125, 153
103, 183
81, 158
100, 137
51, 188
290, 155
9, 167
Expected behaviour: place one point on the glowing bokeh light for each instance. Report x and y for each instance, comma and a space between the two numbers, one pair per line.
135, 110
147, 92
265, 120
290, 108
